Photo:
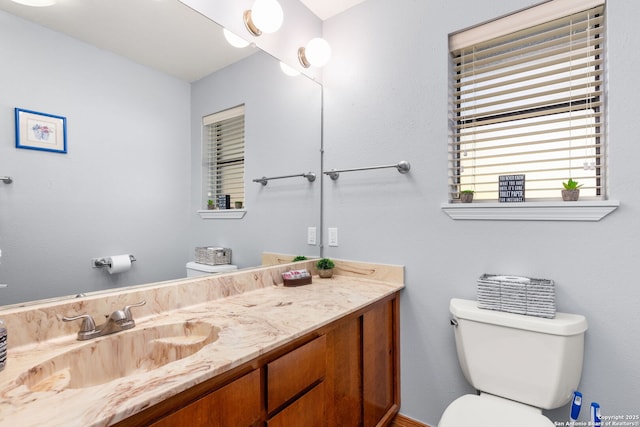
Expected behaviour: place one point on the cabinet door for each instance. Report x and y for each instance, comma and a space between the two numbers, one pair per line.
343, 382
307, 411
235, 405
380, 363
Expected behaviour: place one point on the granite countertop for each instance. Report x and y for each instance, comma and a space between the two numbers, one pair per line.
249, 323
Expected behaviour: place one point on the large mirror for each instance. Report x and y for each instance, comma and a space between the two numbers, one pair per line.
130, 180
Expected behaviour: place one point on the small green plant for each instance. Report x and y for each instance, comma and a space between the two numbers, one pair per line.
209, 202
571, 185
299, 258
467, 192
325, 264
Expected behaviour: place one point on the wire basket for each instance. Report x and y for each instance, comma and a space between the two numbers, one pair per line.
210, 255
513, 294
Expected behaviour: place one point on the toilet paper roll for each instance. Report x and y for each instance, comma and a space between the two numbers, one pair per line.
119, 263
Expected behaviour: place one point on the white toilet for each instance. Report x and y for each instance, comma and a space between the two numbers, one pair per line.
519, 364
195, 269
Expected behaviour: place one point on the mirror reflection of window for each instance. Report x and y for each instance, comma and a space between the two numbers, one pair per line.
224, 158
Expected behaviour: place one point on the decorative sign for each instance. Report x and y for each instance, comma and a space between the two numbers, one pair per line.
511, 188
224, 201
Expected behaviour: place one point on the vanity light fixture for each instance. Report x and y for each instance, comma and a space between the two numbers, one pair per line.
289, 71
36, 3
265, 16
317, 53
234, 40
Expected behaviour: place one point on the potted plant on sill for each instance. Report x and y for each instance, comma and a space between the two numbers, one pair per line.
466, 196
325, 267
210, 204
571, 191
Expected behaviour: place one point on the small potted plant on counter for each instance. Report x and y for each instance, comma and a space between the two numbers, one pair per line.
466, 196
325, 267
571, 191
299, 258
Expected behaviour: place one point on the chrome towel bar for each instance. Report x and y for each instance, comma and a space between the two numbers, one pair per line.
6, 179
309, 175
402, 166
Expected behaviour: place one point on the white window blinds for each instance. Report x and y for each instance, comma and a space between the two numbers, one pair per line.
224, 155
529, 102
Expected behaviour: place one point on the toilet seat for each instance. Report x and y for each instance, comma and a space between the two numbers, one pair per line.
491, 411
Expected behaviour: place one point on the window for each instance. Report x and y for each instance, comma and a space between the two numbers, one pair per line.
527, 99
224, 156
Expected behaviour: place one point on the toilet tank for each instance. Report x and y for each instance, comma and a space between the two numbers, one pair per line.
528, 359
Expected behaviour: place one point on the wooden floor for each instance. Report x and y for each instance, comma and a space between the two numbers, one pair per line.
402, 421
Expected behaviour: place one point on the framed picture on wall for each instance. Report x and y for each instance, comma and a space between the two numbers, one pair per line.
40, 131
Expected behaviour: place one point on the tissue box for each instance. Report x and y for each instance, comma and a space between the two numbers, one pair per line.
213, 255
296, 278
514, 294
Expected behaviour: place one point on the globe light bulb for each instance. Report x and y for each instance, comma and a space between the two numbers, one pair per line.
289, 71
267, 15
234, 40
317, 53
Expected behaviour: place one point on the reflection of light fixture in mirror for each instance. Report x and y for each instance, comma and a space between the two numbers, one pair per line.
234, 40
317, 53
36, 3
289, 71
265, 16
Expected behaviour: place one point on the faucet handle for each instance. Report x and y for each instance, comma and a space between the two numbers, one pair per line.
88, 324
127, 309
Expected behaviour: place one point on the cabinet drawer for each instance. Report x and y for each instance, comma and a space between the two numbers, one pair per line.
291, 374
236, 404
307, 411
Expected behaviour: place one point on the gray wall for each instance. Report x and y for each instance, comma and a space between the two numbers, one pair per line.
385, 101
123, 187
282, 132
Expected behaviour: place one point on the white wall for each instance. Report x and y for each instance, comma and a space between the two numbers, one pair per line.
386, 101
123, 186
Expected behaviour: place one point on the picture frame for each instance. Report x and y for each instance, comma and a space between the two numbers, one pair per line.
40, 131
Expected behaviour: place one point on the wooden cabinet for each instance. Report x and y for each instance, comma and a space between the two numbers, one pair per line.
236, 404
343, 374
380, 366
294, 373
307, 411
363, 368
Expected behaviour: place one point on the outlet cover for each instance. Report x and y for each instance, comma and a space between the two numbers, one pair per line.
333, 237
311, 236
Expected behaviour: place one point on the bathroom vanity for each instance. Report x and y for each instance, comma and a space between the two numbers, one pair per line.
233, 349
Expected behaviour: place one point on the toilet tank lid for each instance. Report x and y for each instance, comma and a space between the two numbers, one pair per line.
564, 324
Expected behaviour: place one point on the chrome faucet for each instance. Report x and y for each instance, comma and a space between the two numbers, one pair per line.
119, 320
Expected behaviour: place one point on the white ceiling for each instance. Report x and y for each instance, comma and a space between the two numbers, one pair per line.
325, 9
165, 35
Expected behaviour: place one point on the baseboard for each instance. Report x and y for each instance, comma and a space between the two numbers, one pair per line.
402, 421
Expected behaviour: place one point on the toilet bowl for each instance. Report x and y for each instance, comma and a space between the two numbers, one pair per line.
519, 364
195, 269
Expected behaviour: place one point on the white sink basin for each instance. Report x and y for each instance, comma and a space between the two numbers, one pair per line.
119, 355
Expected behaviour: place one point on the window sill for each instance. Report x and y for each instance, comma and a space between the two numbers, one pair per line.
532, 211
222, 213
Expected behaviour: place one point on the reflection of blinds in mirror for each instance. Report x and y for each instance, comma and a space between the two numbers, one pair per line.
530, 102
224, 155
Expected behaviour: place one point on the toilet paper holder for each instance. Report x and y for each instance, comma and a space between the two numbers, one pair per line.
106, 261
